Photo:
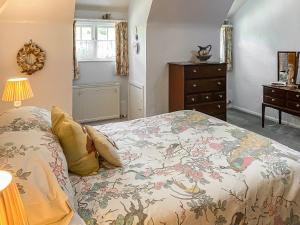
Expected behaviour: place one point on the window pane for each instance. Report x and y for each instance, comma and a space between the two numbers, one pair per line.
106, 49
102, 49
78, 33
111, 34
85, 49
86, 33
102, 33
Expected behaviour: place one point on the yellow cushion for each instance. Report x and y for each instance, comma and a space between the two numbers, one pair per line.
76, 143
106, 147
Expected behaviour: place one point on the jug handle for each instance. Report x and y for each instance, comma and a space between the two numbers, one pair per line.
210, 47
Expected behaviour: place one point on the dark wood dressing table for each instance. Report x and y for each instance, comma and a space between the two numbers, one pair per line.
284, 99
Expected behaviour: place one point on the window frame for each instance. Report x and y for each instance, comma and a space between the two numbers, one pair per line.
94, 25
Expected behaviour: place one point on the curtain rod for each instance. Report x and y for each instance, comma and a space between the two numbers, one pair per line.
99, 20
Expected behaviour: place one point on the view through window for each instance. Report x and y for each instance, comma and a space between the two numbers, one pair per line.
95, 41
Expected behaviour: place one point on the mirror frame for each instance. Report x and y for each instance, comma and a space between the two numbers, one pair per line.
278, 65
297, 69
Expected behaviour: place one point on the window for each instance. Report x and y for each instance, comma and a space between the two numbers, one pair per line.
95, 41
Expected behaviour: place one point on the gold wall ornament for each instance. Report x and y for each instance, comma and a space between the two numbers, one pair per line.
31, 58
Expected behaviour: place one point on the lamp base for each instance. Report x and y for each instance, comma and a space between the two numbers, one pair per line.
17, 104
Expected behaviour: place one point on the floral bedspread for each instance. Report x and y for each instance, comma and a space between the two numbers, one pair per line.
186, 168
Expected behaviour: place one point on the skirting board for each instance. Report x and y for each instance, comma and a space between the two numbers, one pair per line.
99, 119
259, 115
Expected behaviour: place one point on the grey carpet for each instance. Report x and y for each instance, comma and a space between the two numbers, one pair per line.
283, 134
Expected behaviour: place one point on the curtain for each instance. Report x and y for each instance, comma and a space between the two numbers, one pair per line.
226, 46
75, 62
122, 49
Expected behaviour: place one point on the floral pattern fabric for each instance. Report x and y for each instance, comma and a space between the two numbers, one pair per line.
26, 141
122, 64
187, 168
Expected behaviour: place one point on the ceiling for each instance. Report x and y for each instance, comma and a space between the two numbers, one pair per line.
104, 3
237, 4
204, 12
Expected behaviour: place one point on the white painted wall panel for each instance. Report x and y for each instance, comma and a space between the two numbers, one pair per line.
136, 101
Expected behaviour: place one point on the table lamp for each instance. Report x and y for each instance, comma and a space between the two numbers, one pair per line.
16, 90
12, 211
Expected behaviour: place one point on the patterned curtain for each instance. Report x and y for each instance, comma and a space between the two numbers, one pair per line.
75, 62
122, 49
226, 45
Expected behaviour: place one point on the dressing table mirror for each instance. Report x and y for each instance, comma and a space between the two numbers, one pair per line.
298, 70
287, 64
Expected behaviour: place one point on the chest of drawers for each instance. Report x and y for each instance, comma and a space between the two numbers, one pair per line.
200, 87
283, 99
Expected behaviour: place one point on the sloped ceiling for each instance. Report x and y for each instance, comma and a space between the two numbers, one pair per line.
37, 10
211, 12
237, 4
2, 2
2, 5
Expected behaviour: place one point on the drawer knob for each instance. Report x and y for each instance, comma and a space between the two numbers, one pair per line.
193, 99
219, 106
273, 91
297, 105
273, 100
297, 96
194, 71
219, 69
194, 85
219, 83
207, 97
221, 96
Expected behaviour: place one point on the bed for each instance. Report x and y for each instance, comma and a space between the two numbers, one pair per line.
189, 168
181, 168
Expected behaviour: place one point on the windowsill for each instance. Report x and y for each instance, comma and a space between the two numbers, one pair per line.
96, 60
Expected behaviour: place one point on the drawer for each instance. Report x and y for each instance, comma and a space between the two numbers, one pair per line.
206, 85
294, 96
220, 96
205, 71
205, 97
293, 105
274, 92
215, 108
274, 101
192, 99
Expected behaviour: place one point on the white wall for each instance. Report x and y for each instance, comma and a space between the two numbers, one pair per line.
102, 71
137, 17
261, 28
172, 35
21, 21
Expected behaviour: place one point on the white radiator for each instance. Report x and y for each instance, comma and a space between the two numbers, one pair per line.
96, 102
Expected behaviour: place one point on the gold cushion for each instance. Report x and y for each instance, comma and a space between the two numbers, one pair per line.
76, 143
106, 147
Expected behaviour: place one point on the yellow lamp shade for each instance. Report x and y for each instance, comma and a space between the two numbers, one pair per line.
17, 90
12, 211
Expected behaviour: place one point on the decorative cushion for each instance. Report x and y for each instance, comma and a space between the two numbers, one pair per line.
76, 143
105, 146
26, 155
23, 121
